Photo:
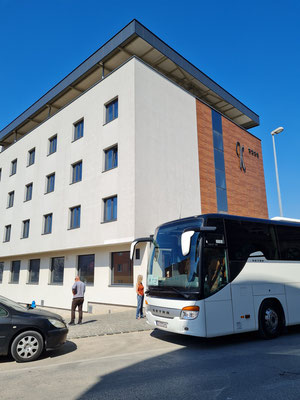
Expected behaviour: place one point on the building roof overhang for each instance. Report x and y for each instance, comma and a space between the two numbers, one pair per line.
133, 40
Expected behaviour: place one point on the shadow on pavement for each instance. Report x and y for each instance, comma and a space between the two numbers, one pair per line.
240, 367
89, 321
68, 347
220, 341
6, 359
200, 342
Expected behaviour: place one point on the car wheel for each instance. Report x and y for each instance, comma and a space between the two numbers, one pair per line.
270, 320
27, 346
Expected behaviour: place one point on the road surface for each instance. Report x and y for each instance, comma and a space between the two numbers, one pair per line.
158, 365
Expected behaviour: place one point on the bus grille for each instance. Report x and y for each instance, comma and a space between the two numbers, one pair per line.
164, 312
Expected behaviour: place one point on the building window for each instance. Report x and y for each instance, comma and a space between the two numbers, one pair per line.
50, 183
13, 167
111, 111
1, 271
111, 158
77, 172
31, 157
7, 231
57, 270
25, 229
86, 266
15, 271
10, 200
110, 209
52, 145
34, 271
122, 273
28, 191
78, 130
75, 217
47, 224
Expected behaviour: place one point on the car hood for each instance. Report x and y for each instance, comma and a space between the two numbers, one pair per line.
42, 313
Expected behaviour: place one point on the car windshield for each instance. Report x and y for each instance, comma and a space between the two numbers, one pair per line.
12, 304
167, 266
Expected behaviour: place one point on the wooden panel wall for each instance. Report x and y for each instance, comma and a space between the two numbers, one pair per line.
246, 192
206, 159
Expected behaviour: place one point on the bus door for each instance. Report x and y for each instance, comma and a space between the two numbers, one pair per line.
217, 292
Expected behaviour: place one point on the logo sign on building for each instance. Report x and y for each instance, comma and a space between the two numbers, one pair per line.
253, 153
240, 153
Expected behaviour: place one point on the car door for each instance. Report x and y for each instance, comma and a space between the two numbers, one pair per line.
6, 329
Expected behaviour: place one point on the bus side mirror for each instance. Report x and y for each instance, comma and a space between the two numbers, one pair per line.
186, 242
136, 241
132, 247
187, 236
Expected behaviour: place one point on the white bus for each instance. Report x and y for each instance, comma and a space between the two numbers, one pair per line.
216, 274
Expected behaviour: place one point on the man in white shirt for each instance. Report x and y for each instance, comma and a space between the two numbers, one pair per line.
78, 290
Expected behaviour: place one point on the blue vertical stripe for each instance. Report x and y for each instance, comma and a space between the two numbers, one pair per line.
221, 190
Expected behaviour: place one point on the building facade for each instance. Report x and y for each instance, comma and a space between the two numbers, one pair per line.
134, 137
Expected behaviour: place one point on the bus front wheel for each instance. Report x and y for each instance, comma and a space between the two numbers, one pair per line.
270, 320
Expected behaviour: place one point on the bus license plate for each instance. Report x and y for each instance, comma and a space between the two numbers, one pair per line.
162, 324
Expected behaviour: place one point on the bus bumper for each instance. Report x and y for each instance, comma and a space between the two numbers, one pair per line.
194, 327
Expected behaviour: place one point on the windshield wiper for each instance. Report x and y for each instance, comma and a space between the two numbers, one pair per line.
186, 296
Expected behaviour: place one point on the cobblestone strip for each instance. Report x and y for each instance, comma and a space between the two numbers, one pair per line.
108, 324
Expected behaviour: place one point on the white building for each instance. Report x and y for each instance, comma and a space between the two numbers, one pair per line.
105, 156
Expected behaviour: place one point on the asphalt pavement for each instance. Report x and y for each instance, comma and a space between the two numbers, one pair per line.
155, 365
114, 356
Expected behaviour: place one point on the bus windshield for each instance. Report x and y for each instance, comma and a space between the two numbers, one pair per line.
167, 266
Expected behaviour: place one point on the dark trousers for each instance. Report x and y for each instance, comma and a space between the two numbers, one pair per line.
77, 302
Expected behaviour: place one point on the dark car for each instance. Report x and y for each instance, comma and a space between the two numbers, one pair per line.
25, 333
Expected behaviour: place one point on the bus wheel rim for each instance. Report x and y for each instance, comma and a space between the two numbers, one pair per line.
271, 319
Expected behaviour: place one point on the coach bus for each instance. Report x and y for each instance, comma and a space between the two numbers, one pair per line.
215, 274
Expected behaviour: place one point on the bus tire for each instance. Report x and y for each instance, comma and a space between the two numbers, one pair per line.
271, 319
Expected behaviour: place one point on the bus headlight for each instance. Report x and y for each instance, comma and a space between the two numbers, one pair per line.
189, 312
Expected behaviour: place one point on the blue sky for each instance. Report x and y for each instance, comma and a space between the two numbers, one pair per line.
251, 49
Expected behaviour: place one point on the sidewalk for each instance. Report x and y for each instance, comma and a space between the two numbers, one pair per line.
108, 324
108, 321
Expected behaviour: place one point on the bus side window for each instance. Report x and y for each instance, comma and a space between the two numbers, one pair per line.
245, 238
289, 242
